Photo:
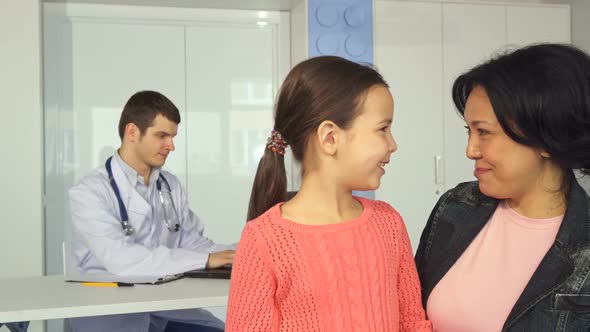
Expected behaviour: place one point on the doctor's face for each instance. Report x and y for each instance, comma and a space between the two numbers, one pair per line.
157, 142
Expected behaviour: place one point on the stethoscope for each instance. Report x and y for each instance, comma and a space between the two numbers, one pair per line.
128, 229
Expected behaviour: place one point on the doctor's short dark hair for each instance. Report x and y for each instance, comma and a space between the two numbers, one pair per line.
540, 95
143, 107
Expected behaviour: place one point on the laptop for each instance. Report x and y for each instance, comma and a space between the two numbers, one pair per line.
220, 273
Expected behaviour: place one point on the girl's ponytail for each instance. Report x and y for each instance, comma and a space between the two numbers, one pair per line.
270, 183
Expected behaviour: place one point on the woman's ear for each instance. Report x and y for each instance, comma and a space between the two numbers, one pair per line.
328, 134
545, 154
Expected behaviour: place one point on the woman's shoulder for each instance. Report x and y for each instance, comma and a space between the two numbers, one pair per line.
469, 193
466, 188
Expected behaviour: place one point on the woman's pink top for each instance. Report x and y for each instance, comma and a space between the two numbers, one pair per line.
479, 291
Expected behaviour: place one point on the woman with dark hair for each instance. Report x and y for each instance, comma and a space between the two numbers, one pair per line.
511, 251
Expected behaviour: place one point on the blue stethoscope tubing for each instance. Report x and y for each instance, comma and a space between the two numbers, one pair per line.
122, 210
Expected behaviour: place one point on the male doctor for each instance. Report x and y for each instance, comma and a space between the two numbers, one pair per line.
130, 217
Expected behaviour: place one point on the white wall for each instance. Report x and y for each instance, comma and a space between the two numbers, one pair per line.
581, 38
226, 4
299, 33
21, 131
21, 225
581, 24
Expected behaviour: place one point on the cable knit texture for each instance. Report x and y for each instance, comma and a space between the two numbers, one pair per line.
355, 276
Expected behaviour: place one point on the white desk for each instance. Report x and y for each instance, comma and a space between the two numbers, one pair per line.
50, 297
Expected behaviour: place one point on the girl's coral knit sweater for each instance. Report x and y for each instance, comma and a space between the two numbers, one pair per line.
354, 276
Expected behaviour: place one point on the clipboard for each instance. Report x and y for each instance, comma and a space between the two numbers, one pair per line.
107, 277
72, 274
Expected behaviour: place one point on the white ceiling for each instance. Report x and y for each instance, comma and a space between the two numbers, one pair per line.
283, 5
498, 1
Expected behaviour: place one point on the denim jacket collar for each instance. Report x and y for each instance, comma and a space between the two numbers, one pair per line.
458, 220
556, 266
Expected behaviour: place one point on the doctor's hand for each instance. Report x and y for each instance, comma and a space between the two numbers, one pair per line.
220, 258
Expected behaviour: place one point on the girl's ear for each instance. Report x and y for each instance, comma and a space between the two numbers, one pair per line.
328, 134
545, 154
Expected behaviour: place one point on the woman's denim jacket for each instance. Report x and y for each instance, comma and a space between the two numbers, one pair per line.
556, 298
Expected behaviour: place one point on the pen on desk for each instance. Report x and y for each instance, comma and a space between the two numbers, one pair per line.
107, 284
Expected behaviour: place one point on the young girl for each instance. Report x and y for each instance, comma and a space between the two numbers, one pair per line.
326, 260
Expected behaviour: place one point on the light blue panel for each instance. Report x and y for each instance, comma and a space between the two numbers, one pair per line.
341, 27
365, 194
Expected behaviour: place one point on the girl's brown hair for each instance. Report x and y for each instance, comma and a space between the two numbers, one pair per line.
316, 90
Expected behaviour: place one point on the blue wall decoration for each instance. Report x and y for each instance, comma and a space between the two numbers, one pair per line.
341, 27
